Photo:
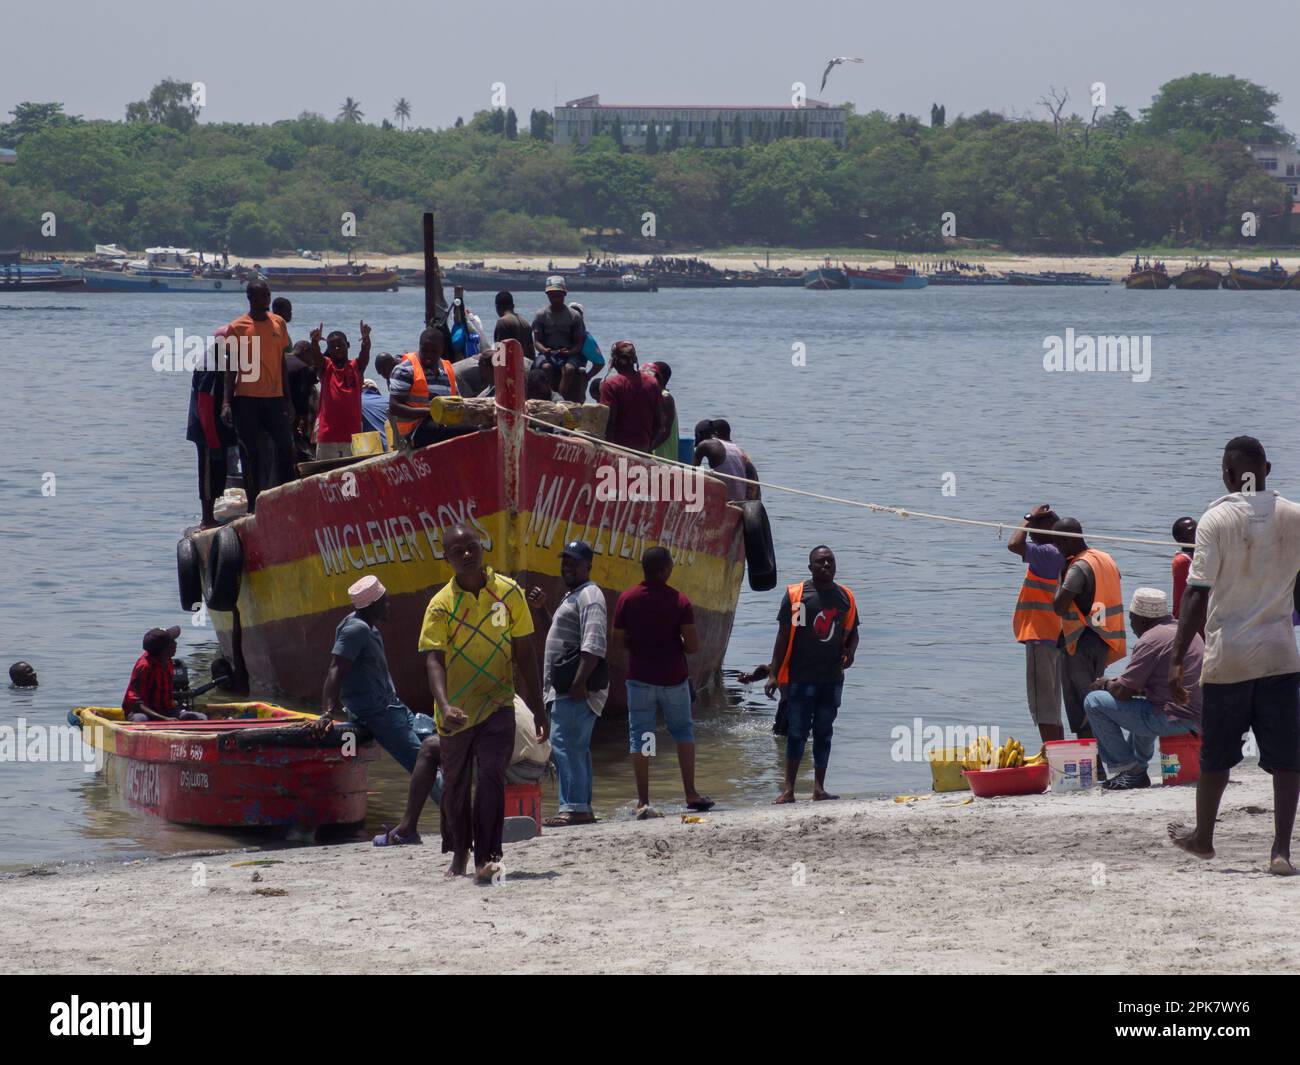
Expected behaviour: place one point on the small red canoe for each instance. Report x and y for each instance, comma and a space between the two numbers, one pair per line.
249, 765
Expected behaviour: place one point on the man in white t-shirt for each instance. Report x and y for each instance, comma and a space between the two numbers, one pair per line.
1242, 588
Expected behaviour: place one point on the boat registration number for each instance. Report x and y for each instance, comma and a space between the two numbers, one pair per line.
180, 752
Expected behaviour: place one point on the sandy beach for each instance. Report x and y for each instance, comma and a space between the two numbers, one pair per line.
1043, 884
1113, 266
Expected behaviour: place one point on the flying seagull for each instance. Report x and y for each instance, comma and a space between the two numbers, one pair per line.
833, 64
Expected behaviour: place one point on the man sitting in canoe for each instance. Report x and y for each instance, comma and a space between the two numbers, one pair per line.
149, 693
359, 677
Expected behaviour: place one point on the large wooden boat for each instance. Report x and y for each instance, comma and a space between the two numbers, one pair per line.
351, 278
1056, 278
249, 765
277, 586
1150, 277
475, 277
1201, 276
1268, 277
897, 276
825, 277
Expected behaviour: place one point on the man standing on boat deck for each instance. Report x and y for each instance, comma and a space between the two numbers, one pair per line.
558, 334
1035, 622
359, 680
665, 441
477, 630
578, 632
511, 326
256, 397
816, 640
213, 437
1242, 590
1091, 607
340, 391
632, 399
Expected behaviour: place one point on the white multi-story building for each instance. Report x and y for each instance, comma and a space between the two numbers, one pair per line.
1281, 161
577, 121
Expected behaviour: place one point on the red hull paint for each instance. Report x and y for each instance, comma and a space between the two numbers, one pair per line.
525, 492
191, 774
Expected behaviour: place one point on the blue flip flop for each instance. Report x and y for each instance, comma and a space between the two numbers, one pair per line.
390, 838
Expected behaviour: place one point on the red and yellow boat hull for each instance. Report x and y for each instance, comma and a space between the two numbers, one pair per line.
220, 774
526, 493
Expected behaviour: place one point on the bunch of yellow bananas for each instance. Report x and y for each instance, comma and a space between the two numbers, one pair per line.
979, 754
1011, 755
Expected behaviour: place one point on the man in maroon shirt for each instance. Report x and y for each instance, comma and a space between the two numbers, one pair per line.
149, 693
655, 624
632, 399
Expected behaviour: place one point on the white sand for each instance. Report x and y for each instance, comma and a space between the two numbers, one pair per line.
1068, 883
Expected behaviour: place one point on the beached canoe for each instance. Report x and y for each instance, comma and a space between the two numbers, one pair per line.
249, 765
898, 276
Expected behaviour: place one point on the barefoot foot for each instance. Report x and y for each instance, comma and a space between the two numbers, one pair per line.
1280, 865
822, 795
459, 863
784, 797
1185, 838
485, 874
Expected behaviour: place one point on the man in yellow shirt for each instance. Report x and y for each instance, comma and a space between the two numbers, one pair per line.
477, 629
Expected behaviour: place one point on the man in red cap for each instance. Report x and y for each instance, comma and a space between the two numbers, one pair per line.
149, 693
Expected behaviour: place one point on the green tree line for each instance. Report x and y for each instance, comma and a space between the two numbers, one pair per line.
1176, 173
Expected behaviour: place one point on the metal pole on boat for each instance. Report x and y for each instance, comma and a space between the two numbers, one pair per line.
435, 303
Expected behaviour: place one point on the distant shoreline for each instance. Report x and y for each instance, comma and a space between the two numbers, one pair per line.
1112, 266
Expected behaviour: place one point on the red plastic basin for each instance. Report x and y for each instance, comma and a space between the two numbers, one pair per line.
1023, 780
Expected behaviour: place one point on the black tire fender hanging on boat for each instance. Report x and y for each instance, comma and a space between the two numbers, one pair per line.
760, 556
225, 563
189, 574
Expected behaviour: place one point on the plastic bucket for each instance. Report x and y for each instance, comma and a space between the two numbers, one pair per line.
946, 770
1180, 758
1072, 764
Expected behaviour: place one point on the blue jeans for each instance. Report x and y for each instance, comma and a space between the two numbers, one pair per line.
572, 722
813, 708
643, 703
400, 733
1111, 717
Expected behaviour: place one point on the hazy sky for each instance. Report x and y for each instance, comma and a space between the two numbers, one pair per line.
274, 58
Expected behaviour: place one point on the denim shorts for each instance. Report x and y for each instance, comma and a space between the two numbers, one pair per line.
643, 700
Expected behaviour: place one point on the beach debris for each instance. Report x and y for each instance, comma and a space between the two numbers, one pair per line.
661, 849
910, 798
257, 861
257, 877
693, 819
270, 892
962, 802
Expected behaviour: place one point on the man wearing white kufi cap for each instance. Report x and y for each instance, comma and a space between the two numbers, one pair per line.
359, 678
1138, 702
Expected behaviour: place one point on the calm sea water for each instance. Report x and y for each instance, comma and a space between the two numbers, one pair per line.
899, 390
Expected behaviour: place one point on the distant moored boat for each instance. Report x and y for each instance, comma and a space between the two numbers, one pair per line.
1271, 276
1200, 276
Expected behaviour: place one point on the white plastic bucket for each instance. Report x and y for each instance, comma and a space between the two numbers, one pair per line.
1071, 764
